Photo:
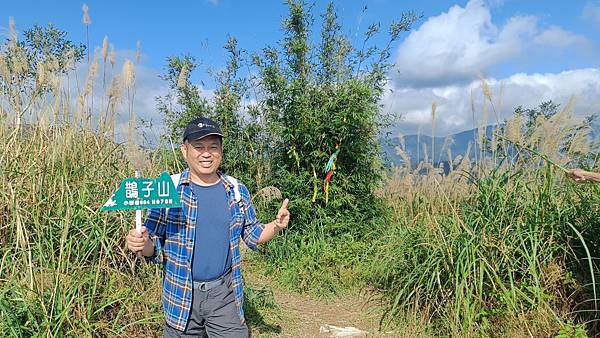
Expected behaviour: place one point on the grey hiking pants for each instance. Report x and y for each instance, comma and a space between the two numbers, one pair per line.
213, 314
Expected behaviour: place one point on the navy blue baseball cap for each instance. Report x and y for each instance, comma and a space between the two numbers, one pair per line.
201, 127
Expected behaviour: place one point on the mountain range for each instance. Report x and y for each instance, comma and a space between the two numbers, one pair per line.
457, 143
418, 147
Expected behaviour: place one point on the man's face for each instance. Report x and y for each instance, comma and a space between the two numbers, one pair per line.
203, 156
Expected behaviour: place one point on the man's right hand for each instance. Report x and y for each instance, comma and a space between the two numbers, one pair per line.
140, 242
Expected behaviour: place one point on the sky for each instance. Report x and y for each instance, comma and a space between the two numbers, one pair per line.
528, 51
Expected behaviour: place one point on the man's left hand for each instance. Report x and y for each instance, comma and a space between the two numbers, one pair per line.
283, 215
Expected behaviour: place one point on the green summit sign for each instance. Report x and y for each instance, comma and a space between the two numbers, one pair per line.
144, 193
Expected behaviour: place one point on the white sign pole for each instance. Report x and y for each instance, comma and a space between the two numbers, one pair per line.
138, 213
138, 216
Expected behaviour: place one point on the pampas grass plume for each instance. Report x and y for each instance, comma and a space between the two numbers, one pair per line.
86, 15
105, 48
182, 78
138, 51
128, 73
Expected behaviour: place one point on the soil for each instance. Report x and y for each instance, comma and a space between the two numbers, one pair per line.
302, 315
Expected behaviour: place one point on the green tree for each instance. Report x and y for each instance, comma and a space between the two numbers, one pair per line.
27, 67
321, 98
183, 102
239, 124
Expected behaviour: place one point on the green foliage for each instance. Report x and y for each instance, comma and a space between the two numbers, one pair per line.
548, 110
498, 256
317, 99
63, 270
314, 100
45, 44
186, 96
241, 142
260, 308
25, 65
241, 146
571, 331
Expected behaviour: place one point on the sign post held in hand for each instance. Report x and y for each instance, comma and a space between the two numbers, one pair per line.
144, 193
138, 212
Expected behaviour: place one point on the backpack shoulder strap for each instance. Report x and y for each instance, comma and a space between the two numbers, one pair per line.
236, 192
236, 188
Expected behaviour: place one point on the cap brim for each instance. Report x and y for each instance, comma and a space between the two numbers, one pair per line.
200, 135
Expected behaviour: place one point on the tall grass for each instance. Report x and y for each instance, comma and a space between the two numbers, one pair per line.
64, 269
495, 248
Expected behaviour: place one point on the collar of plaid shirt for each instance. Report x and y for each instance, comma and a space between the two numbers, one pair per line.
173, 233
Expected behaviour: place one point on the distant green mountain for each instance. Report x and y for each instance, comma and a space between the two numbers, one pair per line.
457, 143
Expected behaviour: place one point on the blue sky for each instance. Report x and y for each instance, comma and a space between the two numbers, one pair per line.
529, 50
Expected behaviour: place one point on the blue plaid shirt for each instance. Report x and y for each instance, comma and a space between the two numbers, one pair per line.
173, 233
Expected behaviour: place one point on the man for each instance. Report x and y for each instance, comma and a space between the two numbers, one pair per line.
580, 176
198, 244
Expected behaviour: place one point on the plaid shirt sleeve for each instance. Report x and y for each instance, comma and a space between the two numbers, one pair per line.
252, 227
156, 222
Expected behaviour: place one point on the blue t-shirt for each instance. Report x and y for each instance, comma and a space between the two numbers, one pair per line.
211, 247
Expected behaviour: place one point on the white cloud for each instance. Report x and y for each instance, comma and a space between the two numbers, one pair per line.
442, 60
456, 46
495, 3
555, 36
592, 12
454, 113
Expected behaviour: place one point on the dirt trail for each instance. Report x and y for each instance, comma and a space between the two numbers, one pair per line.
301, 315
